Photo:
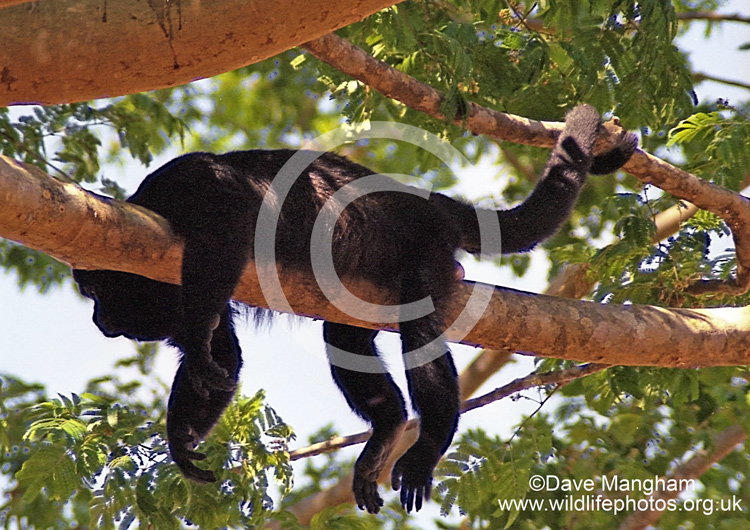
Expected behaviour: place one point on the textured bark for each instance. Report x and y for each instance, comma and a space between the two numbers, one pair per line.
62, 51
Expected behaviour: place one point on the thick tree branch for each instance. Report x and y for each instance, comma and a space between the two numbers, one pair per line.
89, 232
61, 51
730, 206
8, 3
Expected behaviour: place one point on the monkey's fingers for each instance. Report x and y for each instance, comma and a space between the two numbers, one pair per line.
184, 459
415, 486
366, 495
613, 160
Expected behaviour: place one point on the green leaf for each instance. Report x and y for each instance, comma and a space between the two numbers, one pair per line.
50, 467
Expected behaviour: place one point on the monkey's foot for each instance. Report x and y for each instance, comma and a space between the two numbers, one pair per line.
193, 472
366, 493
365, 488
371, 462
412, 474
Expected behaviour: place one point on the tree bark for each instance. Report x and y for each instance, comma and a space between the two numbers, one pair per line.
62, 51
87, 231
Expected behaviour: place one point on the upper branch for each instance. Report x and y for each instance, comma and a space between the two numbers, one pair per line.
61, 51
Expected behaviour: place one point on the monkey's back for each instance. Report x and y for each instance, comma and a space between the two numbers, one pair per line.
381, 227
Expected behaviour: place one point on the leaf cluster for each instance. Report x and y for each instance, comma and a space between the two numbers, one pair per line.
101, 461
624, 422
534, 61
631, 267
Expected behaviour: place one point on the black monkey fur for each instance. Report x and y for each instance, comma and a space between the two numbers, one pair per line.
398, 241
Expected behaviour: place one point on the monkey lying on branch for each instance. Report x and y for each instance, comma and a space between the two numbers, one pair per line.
401, 242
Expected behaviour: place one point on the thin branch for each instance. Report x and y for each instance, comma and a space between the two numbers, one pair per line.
726, 441
524, 169
337, 442
699, 77
711, 16
535, 379
537, 24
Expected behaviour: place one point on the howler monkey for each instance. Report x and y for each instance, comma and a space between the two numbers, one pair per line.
402, 243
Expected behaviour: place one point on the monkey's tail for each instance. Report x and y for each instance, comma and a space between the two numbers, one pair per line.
550, 204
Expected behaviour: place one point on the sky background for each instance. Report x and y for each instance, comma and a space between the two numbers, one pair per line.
50, 338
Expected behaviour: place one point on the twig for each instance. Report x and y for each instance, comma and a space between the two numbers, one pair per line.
699, 76
532, 380
714, 17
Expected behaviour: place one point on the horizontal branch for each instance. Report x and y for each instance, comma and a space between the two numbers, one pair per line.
712, 16
62, 51
704, 16
88, 231
535, 379
699, 77
8, 3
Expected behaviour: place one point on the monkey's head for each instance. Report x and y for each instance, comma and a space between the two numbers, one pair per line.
130, 305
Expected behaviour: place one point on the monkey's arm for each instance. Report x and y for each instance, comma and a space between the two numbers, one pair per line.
191, 414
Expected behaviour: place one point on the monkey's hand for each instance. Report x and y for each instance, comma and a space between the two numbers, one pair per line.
366, 492
183, 455
204, 372
412, 473
183, 436
625, 145
206, 375
366, 472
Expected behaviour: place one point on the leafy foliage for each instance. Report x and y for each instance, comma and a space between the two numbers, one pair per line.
622, 424
105, 463
492, 53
